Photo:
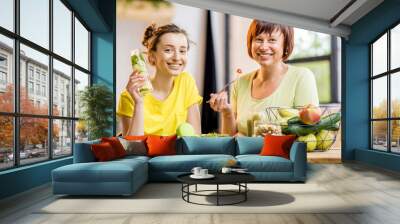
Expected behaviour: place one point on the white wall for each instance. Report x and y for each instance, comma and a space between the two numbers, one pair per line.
238, 47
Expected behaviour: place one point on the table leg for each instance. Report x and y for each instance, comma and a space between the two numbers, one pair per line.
196, 188
217, 194
245, 193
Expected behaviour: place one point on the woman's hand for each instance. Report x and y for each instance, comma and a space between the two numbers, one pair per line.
134, 83
219, 102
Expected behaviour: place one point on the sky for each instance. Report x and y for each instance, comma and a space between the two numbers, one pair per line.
35, 27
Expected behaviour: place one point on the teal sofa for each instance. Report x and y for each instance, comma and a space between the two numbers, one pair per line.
125, 176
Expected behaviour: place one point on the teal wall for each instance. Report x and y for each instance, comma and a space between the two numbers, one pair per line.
355, 86
99, 16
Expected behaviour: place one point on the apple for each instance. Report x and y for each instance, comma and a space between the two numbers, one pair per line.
310, 114
185, 129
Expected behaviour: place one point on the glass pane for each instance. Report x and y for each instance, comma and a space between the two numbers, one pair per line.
379, 97
6, 142
33, 139
62, 89
35, 21
7, 14
34, 97
62, 29
395, 138
310, 44
395, 47
379, 55
395, 94
62, 141
81, 45
81, 81
379, 135
6, 74
322, 72
81, 131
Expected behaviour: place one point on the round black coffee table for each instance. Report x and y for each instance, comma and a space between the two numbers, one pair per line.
238, 179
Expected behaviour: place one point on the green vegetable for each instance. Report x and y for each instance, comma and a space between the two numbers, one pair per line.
294, 120
300, 129
328, 122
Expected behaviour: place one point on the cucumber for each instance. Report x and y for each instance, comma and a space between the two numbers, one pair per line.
328, 122
294, 120
299, 129
334, 127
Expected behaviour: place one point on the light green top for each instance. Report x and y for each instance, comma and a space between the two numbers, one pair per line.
297, 88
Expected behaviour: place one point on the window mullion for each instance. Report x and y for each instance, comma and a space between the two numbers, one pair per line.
50, 81
389, 114
16, 84
73, 82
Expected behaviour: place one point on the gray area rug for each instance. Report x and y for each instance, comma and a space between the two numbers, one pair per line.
166, 198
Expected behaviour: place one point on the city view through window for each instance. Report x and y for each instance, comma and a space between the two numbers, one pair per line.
39, 113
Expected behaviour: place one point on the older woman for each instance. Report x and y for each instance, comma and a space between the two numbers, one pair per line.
273, 84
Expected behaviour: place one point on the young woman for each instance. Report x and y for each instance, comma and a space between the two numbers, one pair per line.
273, 84
174, 98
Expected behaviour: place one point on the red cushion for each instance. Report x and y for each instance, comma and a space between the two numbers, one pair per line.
161, 145
103, 151
277, 145
116, 145
136, 137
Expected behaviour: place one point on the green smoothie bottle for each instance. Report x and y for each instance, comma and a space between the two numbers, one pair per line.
139, 64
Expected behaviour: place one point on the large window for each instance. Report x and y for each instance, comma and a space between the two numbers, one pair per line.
44, 64
319, 53
385, 95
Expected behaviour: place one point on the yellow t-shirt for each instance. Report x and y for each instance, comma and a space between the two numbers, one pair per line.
297, 88
163, 117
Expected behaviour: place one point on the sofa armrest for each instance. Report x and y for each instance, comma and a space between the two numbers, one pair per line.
298, 155
83, 152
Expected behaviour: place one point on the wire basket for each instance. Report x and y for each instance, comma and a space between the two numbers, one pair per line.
319, 134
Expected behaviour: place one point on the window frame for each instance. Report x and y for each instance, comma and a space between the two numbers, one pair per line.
16, 114
388, 74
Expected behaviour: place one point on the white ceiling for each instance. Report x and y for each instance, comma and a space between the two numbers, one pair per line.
317, 15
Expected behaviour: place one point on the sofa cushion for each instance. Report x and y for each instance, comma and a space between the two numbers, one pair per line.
277, 145
161, 145
134, 147
257, 163
103, 152
185, 163
249, 145
112, 171
116, 145
206, 145
83, 152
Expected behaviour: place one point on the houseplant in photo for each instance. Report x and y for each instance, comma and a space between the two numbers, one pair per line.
96, 102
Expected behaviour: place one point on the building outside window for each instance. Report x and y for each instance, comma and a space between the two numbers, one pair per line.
43, 90
30, 72
3, 71
30, 87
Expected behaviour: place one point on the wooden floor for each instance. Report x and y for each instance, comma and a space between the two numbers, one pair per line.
325, 157
378, 189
